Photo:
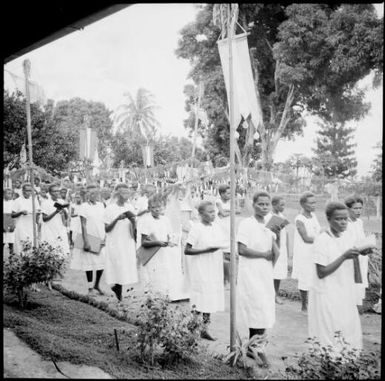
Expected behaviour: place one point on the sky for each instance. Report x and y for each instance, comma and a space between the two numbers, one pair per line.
135, 48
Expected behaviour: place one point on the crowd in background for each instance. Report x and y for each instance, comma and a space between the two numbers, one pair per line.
130, 233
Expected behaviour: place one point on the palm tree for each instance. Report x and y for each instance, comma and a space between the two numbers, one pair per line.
136, 117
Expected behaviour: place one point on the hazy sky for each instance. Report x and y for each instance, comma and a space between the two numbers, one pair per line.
135, 48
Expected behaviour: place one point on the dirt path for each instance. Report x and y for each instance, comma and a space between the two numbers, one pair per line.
20, 361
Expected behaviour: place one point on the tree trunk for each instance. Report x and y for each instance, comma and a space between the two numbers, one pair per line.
270, 138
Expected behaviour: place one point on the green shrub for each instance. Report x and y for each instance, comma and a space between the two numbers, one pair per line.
32, 265
375, 269
166, 334
323, 363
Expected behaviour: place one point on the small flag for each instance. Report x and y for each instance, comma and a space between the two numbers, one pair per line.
17, 83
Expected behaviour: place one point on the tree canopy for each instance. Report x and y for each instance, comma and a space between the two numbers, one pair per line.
305, 58
52, 149
70, 117
167, 149
137, 117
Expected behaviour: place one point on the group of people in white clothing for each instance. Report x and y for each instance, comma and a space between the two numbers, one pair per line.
191, 256
324, 264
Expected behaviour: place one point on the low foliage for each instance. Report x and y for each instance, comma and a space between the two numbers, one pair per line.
165, 334
324, 363
33, 265
375, 269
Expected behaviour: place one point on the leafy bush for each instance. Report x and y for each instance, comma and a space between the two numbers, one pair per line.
32, 265
375, 269
324, 363
164, 333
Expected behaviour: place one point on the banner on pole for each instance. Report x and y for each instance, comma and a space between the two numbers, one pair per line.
16, 83
148, 155
88, 144
245, 100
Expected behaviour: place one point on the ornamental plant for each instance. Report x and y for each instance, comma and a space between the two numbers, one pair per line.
166, 334
324, 363
32, 265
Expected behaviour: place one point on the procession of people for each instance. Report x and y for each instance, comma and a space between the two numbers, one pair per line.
125, 235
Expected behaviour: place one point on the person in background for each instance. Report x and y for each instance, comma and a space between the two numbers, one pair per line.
83, 193
63, 194
306, 230
280, 268
204, 264
91, 218
8, 232
36, 181
54, 229
17, 188
43, 195
105, 196
332, 296
163, 272
120, 265
75, 226
22, 212
258, 254
223, 205
356, 229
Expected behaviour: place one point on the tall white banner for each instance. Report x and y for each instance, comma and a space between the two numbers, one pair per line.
244, 96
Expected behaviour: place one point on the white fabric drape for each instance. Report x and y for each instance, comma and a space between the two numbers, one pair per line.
244, 96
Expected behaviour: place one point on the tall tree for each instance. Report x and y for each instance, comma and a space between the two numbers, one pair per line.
70, 115
306, 57
137, 116
52, 147
334, 151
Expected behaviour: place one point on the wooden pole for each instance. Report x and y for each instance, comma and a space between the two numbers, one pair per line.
232, 190
27, 70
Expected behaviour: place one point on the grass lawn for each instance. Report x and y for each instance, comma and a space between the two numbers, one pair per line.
67, 330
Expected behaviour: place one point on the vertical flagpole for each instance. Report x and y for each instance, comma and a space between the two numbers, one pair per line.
232, 189
27, 69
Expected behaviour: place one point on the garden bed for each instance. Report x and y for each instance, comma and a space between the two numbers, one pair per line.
64, 329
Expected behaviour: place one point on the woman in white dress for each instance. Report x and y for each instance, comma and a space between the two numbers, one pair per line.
332, 297
280, 268
356, 229
120, 264
258, 253
91, 218
53, 229
306, 230
223, 205
9, 232
204, 262
75, 225
163, 272
22, 211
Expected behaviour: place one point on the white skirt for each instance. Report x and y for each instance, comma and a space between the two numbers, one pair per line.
280, 267
82, 260
326, 316
163, 274
255, 293
120, 265
205, 275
